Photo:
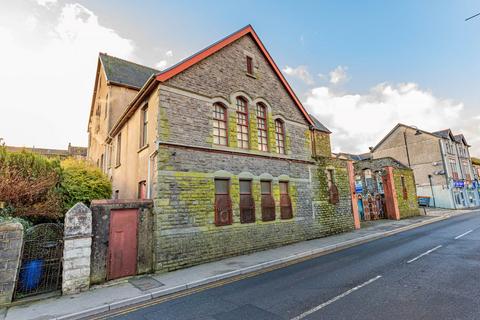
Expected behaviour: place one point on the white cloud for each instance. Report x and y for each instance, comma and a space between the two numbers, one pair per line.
338, 75
169, 53
300, 72
48, 73
161, 64
361, 120
46, 3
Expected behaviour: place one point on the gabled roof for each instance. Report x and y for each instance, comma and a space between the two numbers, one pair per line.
217, 46
354, 157
446, 134
199, 56
317, 125
398, 126
460, 138
123, 72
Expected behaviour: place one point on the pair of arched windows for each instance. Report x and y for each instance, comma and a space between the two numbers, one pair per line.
220, 126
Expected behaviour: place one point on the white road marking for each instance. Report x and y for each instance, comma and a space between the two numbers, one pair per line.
424, 254
463, 234
346, 293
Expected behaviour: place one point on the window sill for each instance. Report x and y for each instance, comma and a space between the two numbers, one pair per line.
250, 75
142, 148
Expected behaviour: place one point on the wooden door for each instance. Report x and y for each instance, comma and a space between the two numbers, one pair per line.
122, 255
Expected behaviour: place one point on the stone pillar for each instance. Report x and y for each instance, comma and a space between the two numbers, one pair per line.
77, 249
11, 241
351, 176
391, 201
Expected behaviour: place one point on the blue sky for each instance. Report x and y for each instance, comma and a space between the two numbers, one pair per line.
414, 62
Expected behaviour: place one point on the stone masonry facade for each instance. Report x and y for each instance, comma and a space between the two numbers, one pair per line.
189, 162
11, 239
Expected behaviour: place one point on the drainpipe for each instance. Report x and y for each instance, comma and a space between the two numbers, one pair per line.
431, 187
406, 147
149, 180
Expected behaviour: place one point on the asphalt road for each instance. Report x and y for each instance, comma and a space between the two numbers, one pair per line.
425, 273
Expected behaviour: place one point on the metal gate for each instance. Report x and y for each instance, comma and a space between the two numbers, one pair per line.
41, 267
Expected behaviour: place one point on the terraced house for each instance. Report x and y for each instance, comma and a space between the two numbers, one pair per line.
223, 146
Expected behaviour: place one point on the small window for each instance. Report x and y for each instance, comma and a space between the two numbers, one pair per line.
280, 136
262, 127
142, 190
220, 124
268, 202
106, 107
119, 149
286, 211
223, 203
249, 65
247, 204
144, 126
116, 194
404, 188
242, 123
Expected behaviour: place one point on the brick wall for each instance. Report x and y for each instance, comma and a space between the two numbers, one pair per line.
11, 240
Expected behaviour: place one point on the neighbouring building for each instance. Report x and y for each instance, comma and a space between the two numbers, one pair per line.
440, 161
71, 151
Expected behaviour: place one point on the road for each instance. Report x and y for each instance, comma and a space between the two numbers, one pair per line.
432, 272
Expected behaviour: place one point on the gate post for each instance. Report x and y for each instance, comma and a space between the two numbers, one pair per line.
351, 178
391, 201
11, 240
77, 249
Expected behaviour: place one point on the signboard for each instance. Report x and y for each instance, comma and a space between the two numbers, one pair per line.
358, 187
459, 184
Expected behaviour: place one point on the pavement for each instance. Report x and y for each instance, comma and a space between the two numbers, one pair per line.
115, 298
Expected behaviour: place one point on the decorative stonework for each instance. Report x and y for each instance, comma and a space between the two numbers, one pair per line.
77, 249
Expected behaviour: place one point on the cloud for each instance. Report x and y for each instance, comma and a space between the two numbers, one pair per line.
300, 72
338, 75
169, 53
48, 73
161, 64
46, 3
361, 120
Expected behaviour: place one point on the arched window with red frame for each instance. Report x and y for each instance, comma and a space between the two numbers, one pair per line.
262, 127
242, 123
220, 131
280, 136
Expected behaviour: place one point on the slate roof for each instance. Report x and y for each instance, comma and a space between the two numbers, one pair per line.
125, 72
442, 133
318, 125
460, 138
355, 157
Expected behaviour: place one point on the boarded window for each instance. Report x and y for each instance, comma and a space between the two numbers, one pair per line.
249, 65
247, 204
144, 127
268, 203
262, 127
119, 149
280, 136
333, 196
220, 124
223, 203
286, 211
242, 123
142, 190
404, 188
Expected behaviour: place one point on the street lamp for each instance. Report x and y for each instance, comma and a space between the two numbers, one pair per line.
417, 133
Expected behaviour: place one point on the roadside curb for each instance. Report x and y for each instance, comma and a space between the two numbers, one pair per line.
255, 269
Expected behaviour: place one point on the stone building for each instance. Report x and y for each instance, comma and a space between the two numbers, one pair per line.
71, 151
440, 161
223, 146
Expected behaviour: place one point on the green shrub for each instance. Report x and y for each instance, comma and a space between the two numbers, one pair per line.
29, 185
83, 182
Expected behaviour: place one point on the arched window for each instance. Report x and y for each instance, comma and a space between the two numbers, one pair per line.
220, 124
280, 136
262, 127
242, 123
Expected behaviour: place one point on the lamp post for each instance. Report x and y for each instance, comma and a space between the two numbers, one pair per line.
417, 133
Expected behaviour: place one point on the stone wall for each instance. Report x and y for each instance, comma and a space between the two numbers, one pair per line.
185, 230
408, 206
101, 210
11, 240
77, 249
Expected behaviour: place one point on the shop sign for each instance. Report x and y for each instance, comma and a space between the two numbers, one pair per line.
458, 184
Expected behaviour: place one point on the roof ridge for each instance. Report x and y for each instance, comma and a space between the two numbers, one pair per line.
131, 62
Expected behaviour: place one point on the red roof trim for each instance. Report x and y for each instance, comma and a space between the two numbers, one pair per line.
187, 63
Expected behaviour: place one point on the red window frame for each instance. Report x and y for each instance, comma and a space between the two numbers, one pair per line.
243, 136
220, 124
280, 136
249, 65
286, 211
247, 203
262, 127
223, 205
268, 202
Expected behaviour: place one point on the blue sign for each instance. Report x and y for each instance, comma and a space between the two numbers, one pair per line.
458, 184
358, 187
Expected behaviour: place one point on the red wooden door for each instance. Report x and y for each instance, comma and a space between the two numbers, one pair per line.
122, 255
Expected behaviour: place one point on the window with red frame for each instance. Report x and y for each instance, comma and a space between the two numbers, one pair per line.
268, 202
242, 123
249, 65
220, 124
247, 204
223, 203
262, 127
286, 211
280, 136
